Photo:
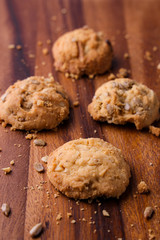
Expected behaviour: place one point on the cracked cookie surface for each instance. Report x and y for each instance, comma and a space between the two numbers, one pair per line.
125, 100
88, 168
35, 103
82, 52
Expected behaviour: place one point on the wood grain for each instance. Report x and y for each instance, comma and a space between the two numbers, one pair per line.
133, 27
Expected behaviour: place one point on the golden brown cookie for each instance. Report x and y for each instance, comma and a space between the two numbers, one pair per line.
124, 100
34, 103
82, 52
88, 168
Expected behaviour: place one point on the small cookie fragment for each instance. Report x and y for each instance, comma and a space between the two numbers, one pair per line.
38, 167
148, 212
35, 103
125, 100
76, 103
123, 73
82, 52
7, 170
158, 66
73, 221
45, 159
88, 168
30, 136
45, 51
143, 187
111, 76
12, 162
0, 149
69, 214
6, 209
126, 55
39, 142
36, 230
154, 130
11, 46
59, 217
105, 213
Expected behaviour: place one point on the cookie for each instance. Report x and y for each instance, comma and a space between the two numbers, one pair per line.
82, 52
88, 168
124, 100
35, 103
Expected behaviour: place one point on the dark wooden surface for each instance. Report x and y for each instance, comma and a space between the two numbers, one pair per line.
133, 27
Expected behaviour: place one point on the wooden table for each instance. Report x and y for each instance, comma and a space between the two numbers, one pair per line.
133, 27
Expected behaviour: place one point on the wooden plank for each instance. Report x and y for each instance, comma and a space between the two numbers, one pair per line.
25, 23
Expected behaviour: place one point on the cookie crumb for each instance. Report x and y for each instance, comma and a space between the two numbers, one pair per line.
151, 234
151, 164
0, 149
69, 214
45, 51
48, 41
18, 47
148, 212
56, 195
31, 55
63, 10
6, 209
154, 130
123, 73
59, 217
126, 55
158, 66
11, 46
30, 136
38, 167
36, 230
105, 213
155, 48
148, 56
39, 142
44, 159
94, 231
142, 187
54, 18
76, 103
73, 221
84, 220
7, 170
91, 76
111, 76
12, 162
39, 43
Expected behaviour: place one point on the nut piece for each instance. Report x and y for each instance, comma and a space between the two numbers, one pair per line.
143, 187
7, 170
6, 209
148, 212
39, 142
105, 213
44, 159
36, 230
38, 167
